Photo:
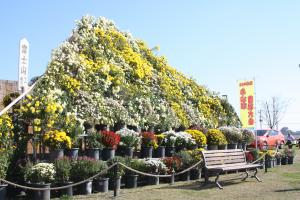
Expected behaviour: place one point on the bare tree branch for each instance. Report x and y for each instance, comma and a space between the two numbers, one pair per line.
273, 112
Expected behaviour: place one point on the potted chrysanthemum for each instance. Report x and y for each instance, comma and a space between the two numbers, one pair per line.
149, 142
110, 140
129, 139
40, 176
57, 141
215, 138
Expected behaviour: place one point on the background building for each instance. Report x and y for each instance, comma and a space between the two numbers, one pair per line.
7, 87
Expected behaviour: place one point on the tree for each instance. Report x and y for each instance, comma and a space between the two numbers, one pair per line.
273, 112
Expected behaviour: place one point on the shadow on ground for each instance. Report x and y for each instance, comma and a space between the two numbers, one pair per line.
288, 190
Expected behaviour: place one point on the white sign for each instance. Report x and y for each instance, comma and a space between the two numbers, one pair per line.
23, 65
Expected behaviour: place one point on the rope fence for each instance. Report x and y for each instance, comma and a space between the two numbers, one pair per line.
106, 170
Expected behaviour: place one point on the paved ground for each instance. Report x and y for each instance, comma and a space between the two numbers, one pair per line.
282, 182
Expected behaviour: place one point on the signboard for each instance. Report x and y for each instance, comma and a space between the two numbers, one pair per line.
23, 65
247, 103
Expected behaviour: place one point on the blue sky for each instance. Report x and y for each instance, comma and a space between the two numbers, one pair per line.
215, 42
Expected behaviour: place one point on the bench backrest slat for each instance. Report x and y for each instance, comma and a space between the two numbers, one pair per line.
221, 157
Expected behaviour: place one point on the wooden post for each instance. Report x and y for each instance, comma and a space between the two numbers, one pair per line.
115, 184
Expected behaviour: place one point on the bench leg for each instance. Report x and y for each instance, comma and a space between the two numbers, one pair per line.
254, 175
247, 175
206, 178
217, 182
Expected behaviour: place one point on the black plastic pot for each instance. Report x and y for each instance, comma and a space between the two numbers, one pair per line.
222, 147
284, 161
290, 160
160, 152
55, 154
212, 147
153, 180
40, 194
196, 173
268, 163
278, 161
131, 181
114, 182
86, 188
147, 152
67, 191
101, 185
3, 191
73, 153
169, 151
185, 176
93, 153
128, 151
108, 153
232, 146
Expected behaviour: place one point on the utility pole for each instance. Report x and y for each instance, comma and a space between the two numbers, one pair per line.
260, 119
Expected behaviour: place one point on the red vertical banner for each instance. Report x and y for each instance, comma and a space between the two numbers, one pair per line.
247, 103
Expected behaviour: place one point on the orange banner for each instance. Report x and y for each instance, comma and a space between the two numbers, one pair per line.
247, 103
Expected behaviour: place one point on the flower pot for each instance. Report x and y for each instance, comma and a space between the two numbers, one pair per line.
3, 191
55, 154
67, 191
222, 147
278, 161
93, 153
108, 153
290, 160
86, 188
147, 152
195, 173
212, 147
180, 148
268, 163
273, 162
131, 181
153, 180
169, 151
185, 176
232, 146
101, 184
128, 151
284, 160
114, 182
73, 153
160, 152
40, 194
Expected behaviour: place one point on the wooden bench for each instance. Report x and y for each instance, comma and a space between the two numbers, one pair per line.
220, 161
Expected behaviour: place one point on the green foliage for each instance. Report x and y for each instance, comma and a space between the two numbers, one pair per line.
120, 172
186, 159
9, 98
289, 152
136, 164
4, 162
248, 136
84, 168
232, 134
215, 137
94, 140
63, 168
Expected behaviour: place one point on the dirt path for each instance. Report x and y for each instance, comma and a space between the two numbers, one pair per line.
282, 182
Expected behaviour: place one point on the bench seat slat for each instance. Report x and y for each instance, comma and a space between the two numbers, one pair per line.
236, 167
218, 162
225, 157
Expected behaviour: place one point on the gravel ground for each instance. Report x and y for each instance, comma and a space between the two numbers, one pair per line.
282, 182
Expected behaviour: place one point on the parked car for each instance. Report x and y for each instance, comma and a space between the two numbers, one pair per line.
269, 138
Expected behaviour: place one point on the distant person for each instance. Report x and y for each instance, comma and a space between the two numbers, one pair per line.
290, 140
